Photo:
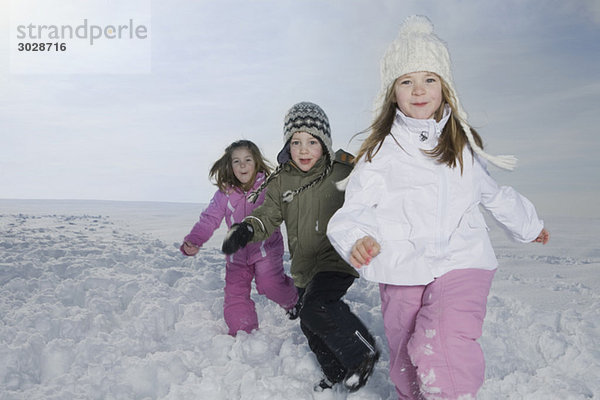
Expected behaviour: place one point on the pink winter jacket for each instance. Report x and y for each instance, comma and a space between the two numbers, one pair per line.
233, 206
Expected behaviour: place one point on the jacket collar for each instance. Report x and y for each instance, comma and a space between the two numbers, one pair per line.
258, 180
314, 171
422, 132
260, 177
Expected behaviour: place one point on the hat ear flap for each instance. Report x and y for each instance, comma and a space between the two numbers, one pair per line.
284, 155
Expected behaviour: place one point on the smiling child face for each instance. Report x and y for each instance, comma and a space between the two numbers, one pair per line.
418, 94
243, 165
305, 150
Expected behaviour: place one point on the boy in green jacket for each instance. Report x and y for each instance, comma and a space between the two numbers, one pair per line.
302, 193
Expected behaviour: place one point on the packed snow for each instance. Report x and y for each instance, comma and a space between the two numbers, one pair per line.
96, 302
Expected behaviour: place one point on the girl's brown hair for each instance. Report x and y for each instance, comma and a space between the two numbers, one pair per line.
450, 145
222, 171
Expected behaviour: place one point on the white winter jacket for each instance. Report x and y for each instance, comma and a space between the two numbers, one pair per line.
425, 215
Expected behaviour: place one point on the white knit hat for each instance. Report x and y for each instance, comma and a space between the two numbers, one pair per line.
417, 48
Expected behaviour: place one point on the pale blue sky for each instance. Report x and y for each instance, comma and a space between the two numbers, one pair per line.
527, 72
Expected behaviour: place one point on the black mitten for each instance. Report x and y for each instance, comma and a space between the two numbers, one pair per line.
238, 236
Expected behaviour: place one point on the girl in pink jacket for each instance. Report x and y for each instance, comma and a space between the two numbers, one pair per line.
237, 173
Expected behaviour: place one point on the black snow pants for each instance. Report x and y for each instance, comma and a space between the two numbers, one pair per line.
338, 338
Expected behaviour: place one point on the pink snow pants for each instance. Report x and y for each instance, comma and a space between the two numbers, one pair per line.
239, 309
432, 334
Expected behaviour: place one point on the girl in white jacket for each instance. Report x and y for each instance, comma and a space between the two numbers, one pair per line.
411, 220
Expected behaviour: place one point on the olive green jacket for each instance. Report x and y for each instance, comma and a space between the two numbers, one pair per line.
306, 217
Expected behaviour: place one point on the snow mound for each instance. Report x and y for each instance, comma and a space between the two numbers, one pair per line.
93, 309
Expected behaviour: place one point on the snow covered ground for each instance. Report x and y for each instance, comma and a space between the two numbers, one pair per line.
96, 302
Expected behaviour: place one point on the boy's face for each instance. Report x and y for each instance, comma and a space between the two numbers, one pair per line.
305, 150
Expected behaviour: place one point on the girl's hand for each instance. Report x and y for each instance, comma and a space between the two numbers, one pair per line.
363, 251
543, 237
190, 249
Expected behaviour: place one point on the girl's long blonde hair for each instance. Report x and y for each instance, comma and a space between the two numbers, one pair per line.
450, 145
222, 171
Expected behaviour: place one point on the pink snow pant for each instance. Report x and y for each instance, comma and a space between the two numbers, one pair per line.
432, 334
239, 309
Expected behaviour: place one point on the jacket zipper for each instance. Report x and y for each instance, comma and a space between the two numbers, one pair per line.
442, 200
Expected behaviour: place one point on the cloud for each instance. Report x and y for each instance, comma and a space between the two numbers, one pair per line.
529, 76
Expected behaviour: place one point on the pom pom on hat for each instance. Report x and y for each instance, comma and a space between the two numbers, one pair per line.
416, 24
418, 49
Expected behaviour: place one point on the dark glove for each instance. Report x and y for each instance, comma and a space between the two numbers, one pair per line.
238, 236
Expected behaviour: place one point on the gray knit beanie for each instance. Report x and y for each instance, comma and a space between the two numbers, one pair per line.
302, 117
310, 118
